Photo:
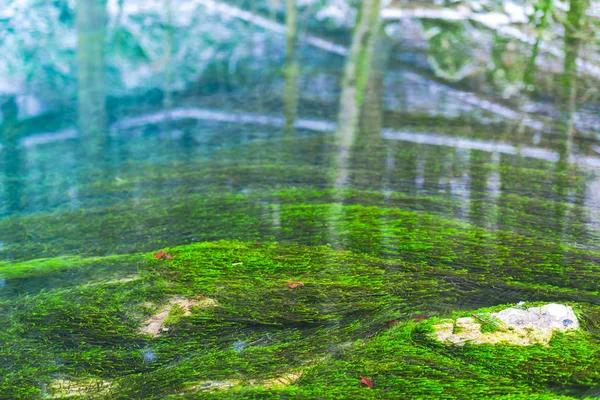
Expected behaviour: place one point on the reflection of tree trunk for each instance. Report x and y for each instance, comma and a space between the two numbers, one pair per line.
529, 76
93, 119
354, 83
273, 6
368, 145
503, 202
13, 155
371, 121
478, 187
573, 30
544, 7
290, 92
368, 148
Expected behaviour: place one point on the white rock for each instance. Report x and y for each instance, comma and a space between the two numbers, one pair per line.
549, 317
559, 316
515, 317
464, 321
514, 325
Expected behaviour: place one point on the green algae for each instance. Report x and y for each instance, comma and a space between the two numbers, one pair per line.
48, 266
318, 338
150, 214
527, 264
388, 250
532, 199
430, 369
175, 315
365, 257
36, 275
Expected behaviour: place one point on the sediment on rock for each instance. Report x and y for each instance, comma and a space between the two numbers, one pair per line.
155, 325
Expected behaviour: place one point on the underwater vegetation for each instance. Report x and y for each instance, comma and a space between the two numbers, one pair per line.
264, 197
256, 279
259, 290
269, 320
209, 254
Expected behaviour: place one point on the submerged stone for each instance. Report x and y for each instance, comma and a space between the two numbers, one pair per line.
155, 325
516, 326
86, 387
549, 317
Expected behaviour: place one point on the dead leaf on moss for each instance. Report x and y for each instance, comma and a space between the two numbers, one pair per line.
366, 381
160, 254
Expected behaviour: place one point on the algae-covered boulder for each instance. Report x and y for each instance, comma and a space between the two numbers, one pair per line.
517, 326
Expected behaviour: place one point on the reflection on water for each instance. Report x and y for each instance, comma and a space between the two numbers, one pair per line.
13, 157
91, 64
291, 69
420, 131
353, 86
436, 136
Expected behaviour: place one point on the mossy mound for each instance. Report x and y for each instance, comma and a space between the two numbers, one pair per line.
284, 321
366, 222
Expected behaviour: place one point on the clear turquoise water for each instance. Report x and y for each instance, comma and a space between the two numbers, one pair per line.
190, 108
175, 86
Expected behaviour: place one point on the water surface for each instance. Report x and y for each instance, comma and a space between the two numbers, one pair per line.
132, 126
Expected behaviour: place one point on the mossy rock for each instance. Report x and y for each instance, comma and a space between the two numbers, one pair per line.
264, 337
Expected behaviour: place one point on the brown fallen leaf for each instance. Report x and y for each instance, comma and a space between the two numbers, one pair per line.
366, 381
160, 254
294, 285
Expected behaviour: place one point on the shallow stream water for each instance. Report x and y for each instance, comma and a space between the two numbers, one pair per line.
146, 125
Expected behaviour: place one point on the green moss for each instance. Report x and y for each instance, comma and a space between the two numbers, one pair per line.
176, 313
365, 257
52, 266
451, 372
31, 276
490, 325
500, 265
533, 199
319, 337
